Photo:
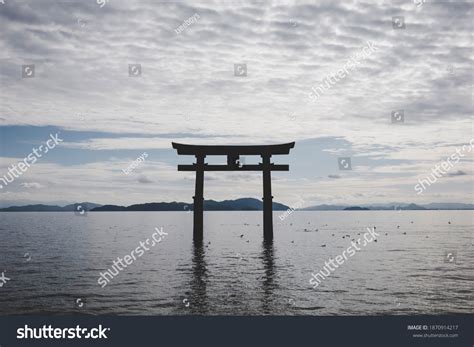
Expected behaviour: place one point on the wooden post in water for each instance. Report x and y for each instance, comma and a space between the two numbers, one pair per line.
267, 199
199, 199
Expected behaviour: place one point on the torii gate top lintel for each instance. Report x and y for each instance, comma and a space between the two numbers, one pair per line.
184, 149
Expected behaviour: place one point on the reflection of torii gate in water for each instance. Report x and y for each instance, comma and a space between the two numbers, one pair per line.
233, 154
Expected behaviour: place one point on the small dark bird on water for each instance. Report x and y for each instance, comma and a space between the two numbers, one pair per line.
398, 226
332, 234
386, 233
292, 241
323, 245
404, 233
449, 222
242, 235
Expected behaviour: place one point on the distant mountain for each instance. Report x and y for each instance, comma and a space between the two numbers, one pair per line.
85, 205
245, 204
32, 208
325, 208
50, 208
412, 207
392, 206
4, 203
109, 208
449, 206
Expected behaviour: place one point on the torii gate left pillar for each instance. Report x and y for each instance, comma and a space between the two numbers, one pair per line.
199, 199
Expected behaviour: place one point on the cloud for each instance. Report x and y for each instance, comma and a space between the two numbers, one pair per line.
34, 185
457, 173
144, 179
187, 91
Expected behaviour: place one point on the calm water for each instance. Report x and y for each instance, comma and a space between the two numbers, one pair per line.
54, 260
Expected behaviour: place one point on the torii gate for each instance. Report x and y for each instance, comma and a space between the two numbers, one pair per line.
233, 154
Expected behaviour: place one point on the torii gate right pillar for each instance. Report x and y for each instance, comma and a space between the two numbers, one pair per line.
267, 199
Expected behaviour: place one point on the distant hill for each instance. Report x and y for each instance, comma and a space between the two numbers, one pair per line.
449, 206
392, 206
356, 208
32, 208
49, 208
245, 204
325, 208
412, 207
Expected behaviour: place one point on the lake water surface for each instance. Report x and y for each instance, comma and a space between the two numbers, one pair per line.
53, 261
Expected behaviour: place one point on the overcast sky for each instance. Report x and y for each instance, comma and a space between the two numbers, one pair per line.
188, 92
